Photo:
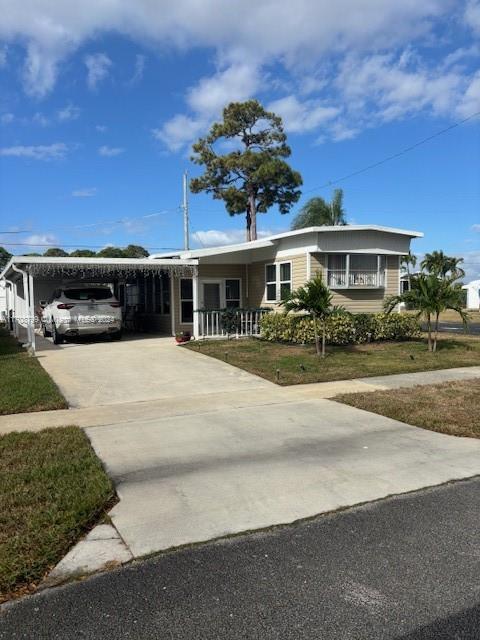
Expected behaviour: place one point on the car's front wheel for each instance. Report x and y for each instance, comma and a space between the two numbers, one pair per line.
57, 337
116, 336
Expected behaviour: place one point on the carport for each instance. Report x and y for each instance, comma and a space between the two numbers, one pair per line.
144, 285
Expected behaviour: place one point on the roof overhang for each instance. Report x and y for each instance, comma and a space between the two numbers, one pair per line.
274, 240
95, 267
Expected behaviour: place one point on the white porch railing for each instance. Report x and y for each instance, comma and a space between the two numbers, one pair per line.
214, 323
341, 278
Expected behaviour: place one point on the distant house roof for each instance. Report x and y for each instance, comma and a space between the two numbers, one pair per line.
272, 240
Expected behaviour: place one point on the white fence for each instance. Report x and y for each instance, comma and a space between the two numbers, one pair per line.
214, 323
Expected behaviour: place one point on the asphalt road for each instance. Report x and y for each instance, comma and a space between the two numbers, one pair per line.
406, 568
457, 327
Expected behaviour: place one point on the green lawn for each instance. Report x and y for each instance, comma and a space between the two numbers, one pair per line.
451, 407
52, 490
24, 384
298, 364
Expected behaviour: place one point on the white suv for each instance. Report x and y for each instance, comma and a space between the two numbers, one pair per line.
81, 310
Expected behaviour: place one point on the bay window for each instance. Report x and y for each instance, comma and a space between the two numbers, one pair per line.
352, 270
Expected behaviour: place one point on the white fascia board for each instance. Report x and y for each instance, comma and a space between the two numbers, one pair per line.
213, 251
348, 228
298, 251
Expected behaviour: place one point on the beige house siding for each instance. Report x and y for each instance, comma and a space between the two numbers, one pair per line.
253, 285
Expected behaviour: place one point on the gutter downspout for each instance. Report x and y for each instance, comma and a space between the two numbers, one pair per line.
27, 301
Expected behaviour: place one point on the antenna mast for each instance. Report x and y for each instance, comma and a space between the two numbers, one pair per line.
186, 243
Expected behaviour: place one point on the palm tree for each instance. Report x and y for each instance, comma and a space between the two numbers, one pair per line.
319, 213
430, 295
314, 298
410, 260
443, 266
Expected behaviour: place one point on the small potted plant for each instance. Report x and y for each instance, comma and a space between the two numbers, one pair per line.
182, 336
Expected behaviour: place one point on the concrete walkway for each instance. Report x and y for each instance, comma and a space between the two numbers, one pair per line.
251, 392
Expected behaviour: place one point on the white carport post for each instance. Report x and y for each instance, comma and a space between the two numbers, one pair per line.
27, 301
196, 331
12, 306
31, 312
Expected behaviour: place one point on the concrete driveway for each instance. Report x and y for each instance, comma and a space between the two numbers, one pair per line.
140, 369
184, 479
199, 449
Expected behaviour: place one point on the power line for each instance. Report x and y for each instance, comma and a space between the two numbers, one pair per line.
77, 246
394, 155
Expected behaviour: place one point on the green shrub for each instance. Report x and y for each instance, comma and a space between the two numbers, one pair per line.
341, 328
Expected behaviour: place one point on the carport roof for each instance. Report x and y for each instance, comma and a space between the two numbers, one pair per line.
95, 267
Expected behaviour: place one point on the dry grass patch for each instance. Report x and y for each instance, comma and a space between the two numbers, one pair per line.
450, 407
299, 364
52, 490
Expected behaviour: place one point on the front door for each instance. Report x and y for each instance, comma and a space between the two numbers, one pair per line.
211, 295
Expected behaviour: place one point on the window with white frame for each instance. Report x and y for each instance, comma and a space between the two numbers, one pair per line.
355, 270
186, 300
278, 281
232, 293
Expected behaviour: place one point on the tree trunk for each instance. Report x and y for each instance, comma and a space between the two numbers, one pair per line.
437, 317
429, 332
315, 332
252, 208
323, 339
248, 225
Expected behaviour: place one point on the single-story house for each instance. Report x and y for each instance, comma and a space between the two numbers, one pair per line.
473, 294
186, 290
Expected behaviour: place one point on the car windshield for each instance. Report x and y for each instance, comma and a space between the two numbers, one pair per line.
88, 294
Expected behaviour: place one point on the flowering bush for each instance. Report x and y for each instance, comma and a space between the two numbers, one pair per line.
341, 328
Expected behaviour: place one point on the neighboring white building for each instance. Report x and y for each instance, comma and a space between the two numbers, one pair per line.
473, 294
3, 301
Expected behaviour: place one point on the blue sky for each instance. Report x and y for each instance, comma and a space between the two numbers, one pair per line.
100, 102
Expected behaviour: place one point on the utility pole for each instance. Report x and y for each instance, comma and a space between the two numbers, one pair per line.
186, 242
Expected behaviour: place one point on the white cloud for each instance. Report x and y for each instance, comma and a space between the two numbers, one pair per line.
84, 193
476, 228
216, 237
110, 152
38, 240
300, 117
140, 61
295, 34
98, 67
53, 151
40, 119
7, 118
179, 131
70, 112
235, 83
101, 128
470, 101
250, 40
472, 15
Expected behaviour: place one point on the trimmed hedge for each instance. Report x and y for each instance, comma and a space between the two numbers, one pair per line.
341, 328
